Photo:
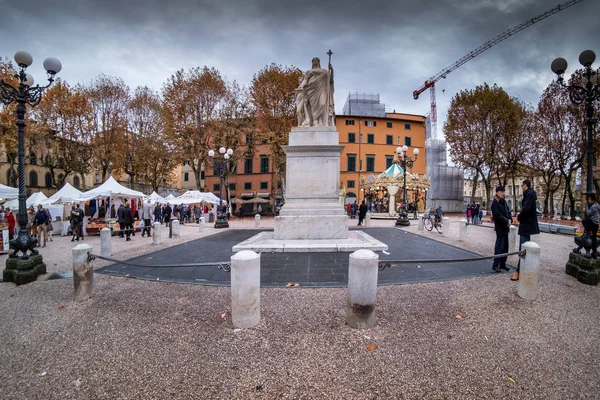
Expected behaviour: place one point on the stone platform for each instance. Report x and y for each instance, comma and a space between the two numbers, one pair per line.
585, 270
22, 271
355, 240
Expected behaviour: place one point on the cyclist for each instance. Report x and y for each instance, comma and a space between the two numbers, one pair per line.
438, 214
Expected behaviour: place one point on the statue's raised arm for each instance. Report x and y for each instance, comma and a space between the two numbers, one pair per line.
314, 96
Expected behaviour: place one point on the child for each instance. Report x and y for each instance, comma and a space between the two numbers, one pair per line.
591, 219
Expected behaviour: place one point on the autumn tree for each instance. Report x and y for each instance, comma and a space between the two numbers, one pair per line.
8, 116
109, 98
190, 103
274, 99
477, 122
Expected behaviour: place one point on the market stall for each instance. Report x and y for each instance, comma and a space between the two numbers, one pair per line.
8, 192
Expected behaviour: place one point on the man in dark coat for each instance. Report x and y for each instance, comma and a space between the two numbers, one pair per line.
528, 222
121, 220
127, 216
167, 213
362, 212
502, 221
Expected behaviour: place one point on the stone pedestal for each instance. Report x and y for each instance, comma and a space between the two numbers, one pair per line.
83, 272
105, 242
176, 229
312, 209
245, 289
585, 270
22, 271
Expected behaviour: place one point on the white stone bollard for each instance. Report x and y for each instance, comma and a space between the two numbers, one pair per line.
105, 242
245, 289
446, 226
420, 224
176, 228
530, 272
462, 233
361, 297
201, 224
157, 237
368, 220
513, 237
83, 272
257, 221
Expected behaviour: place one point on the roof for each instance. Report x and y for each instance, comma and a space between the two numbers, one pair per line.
66, 194
111, 188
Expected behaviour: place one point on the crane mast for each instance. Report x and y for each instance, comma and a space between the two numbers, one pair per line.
430, 83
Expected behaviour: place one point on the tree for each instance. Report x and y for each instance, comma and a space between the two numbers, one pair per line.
190, 102
272, 94
8, 116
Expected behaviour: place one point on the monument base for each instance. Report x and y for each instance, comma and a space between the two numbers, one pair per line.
22, 271
585, 270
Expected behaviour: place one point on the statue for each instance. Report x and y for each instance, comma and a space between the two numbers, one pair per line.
314, 95
342, 193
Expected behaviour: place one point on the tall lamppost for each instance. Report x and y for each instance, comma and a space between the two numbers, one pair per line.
405, 162
24, 270
221, 166
588, 92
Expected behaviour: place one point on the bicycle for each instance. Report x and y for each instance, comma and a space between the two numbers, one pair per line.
430, 223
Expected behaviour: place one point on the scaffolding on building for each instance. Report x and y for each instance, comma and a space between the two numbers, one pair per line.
364, 105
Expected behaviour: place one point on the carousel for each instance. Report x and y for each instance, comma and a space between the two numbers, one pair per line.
383, 193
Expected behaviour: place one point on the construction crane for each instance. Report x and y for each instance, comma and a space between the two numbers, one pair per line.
430, 83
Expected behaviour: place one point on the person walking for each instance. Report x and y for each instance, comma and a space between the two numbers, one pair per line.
167, 214
127, 215
74, 221
50, 227
41, 220
157, 213
80, 218
10, 218
502, 221
121, 218
591, 219
30, 225
362, 212
147, 217
528, 223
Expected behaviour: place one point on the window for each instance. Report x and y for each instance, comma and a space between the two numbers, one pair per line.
278, 184
186, 176
32, 159
216, 187
407, 127
264, 185
33, 181
264, 164
248, 166
232, 186
370, 123
351, 162
186, 163
361, 165
360, 138
399, 140
351, 184
76, 182
370, 163
349, 122
247, 185
389, 139
97, 178
407, 140
389, 124
389, 160
11, 178
202, 175
48, 180
351, 137
370, 138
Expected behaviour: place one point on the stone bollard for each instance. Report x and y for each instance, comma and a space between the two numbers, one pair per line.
530, 271
513, 237
420, 224
257, 221
201, 224
105, 242
83, 272
157, 237
446, 226
361, 297
176, 229
245, 289
462, 233
368, 220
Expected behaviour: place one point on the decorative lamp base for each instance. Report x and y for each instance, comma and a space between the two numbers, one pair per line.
22, 271
403, 219
221, 223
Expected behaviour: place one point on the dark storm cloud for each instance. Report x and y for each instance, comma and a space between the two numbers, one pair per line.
389, 47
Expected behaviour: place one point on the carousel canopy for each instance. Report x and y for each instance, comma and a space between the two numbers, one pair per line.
394, 172
111, 188
7, 192
66, 194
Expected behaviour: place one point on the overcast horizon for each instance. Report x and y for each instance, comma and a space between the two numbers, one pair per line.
382, 47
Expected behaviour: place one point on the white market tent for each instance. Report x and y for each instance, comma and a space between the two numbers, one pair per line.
196, 196
110, 188
7, 192
156, 198
67, 194
33, 200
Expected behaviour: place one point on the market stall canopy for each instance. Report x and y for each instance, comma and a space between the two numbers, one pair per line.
67, 194
33, 200
157, 198
394, 172
7, 192
196, 196
111, 188
257, 200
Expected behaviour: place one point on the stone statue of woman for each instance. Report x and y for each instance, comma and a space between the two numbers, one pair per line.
314, 96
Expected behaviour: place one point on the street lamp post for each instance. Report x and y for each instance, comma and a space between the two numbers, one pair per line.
221, 166
24, 270
588, 92
405, 162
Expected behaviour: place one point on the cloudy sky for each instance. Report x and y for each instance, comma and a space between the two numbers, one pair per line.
379, 46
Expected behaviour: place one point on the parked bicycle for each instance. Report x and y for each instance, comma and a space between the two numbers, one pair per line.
430, 223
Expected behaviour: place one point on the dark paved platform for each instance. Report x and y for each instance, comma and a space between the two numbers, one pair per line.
307, 269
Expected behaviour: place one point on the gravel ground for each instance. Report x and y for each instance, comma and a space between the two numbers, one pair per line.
135, 339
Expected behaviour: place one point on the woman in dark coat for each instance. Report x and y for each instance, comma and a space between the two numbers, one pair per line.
528, 223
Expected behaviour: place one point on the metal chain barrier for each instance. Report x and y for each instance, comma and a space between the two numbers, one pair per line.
224, 265
388, 263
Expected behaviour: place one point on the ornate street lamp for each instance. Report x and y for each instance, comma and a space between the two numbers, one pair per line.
588, 92
221, 166
24, 270
405, 162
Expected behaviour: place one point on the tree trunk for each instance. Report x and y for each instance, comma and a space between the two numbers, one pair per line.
514, 194
474, 189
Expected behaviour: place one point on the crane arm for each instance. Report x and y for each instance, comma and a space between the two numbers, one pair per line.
504, 35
